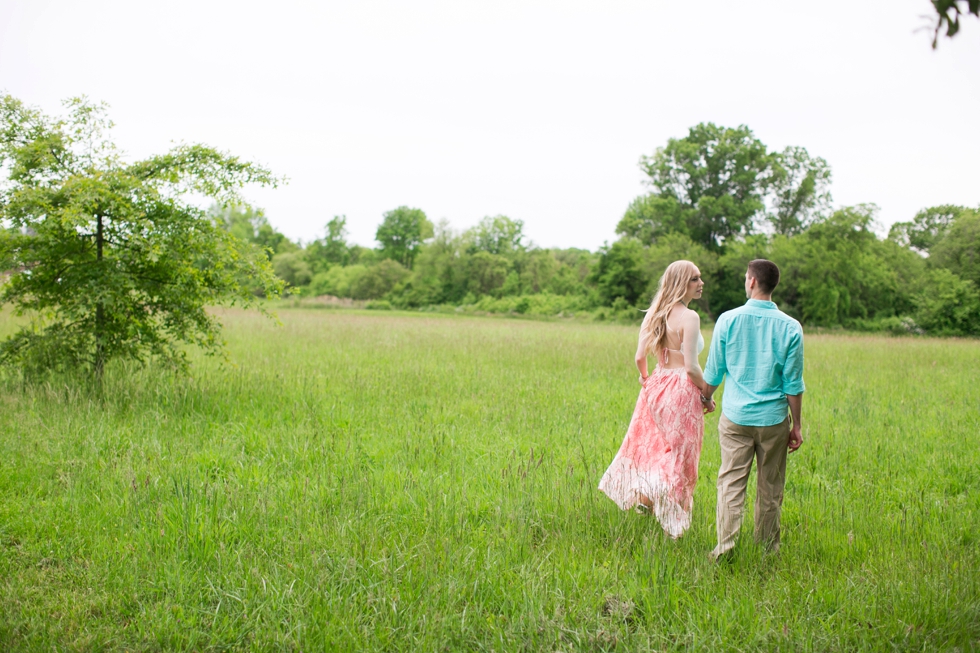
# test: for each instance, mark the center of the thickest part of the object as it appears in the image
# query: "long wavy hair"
(670, 290)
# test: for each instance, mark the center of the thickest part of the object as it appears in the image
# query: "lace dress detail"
(658, 460)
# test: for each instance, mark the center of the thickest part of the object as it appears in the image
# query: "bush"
(291, 268)
(378, 280)
(378, 305)
(948, 305)
(337, 281)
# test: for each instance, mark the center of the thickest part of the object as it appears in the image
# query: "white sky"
(537, 110)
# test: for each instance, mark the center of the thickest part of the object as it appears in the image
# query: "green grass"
(389, 481)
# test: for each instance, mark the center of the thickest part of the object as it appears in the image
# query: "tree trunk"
(99, 364)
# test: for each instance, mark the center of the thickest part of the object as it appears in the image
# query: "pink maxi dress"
(659, 455)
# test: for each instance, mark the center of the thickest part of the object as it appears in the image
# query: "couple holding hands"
(759, 349)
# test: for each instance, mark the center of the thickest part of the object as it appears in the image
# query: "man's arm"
(715, 368)
(793, 388)
(796, 412)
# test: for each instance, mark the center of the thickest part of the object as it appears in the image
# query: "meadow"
(355, 480)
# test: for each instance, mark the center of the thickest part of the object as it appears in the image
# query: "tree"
(651, 217)
(959, 250)
(497, 235)
(948, 14)
(292, 268)
(486, 273)
(332, 249)
(378, 280)
(250, 224)
(928, 227)
(709, 185)
(839, 271)
(799, 190)
(110, 260)
(402, 233)
(619, 272)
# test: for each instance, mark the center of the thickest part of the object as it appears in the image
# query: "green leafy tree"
(251, 225)
(292, 268)
(402, 233)
(959, 250)
(928, 227)
(839, 271)
(378, 280)
(110, 261)
(497, 235)
(651, 217)
(708, 185)
(799, 190)
(947, 305)
(619, 272)
(486, 273)
(332, 249)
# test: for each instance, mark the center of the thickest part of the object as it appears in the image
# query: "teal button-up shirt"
(760, 350)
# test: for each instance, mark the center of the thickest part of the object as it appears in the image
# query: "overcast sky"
(536, 110)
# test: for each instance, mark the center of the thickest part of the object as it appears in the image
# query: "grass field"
(404, 482)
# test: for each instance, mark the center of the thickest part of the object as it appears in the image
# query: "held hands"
(707, 404)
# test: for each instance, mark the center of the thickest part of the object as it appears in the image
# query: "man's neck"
(761, 297)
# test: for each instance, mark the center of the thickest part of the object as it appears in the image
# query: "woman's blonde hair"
(670, 290)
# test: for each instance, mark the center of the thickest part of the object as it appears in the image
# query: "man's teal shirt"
(760, 349)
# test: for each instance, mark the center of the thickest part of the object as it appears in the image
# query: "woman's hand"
(708, 406)
(643, 379)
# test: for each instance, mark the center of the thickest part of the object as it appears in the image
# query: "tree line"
(107, 259)
(719, 197)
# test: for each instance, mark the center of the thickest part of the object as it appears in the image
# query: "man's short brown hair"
(765, 273)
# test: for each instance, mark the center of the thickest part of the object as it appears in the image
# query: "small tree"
(108, 258)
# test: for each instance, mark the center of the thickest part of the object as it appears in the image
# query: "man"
(760, 350)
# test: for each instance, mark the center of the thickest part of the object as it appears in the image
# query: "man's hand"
(709, 406)
(795, 438)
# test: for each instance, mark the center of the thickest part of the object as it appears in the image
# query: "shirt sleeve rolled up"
(793, 370)
(715, 369)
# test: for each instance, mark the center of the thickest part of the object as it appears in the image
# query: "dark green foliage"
(947, 304)
(107, 259)
(948, 15)
(619, 272)
(959, 250)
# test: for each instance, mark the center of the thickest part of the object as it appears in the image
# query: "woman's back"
(672, 355)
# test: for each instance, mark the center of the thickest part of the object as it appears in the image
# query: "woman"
(656, 468)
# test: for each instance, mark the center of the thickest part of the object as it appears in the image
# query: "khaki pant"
(739, 444)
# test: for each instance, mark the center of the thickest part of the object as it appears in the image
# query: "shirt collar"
(760, 303)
